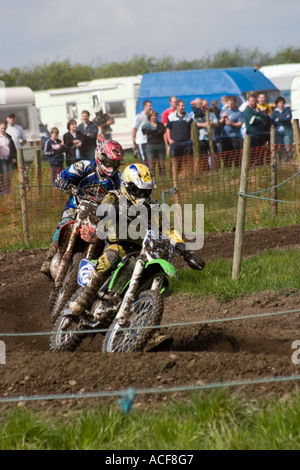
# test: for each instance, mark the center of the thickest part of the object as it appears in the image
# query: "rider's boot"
(45, 268)
(78, 306)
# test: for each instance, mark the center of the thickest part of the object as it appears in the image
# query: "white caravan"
(295, 97)
(282, 75)
(115, 96)
(21, 101)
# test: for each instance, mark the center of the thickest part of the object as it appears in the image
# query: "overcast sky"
(96, 31)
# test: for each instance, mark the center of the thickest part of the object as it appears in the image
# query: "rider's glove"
(60, 183)
(190, 257)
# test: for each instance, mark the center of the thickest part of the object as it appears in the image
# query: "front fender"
(168, 268)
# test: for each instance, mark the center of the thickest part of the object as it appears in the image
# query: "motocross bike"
(77, 240)
(129, 300)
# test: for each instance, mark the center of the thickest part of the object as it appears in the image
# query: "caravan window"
(115, 108)
(72, 110)
(22, 117)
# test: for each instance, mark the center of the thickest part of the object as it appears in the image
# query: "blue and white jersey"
(83, 175)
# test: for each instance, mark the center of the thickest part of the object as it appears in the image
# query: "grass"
(271, 270)
(217, 420)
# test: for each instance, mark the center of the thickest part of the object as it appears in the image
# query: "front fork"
(157, 283)
(129, 297)
(65, 262)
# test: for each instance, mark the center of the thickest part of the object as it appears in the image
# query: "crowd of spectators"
(78, 143)
(221, 128)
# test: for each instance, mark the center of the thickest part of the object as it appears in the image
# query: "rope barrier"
(266, 198)
(131, 393)
(278, 185)
(168, 325)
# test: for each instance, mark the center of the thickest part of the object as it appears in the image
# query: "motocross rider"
(136, 185)
(93, 179)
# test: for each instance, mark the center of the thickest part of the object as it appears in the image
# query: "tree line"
(60, 74)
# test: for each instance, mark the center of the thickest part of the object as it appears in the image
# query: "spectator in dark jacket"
(155, 147)
(254, 120)
(73, 140)
(90, 130)
(8, 158)
(54, 149)
(281, 118)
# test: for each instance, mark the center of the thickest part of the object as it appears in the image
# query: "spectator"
(224, 103)
(8, 156)
(15, 131)
(281, 118)
(54, 149)
(231, 120)
(197, 108)
(89, 129)
(166, 113)
(203, 132)
(179, 131)
(254, 120)
(104, 121)
(155, 148)
(214, 108)
(72, 141)
(139, 140)
(267, 109)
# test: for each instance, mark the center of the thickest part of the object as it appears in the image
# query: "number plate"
(85, 269)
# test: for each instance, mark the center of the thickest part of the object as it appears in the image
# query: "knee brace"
(111, 256)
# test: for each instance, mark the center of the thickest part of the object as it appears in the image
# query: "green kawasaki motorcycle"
(130, 303)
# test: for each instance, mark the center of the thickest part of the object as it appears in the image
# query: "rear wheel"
(60, 296)
(147, 310)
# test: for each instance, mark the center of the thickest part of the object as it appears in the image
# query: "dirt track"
(202, 354)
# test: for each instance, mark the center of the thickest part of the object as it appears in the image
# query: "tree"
(61, 74)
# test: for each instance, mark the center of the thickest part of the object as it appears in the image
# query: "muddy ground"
(239, 350)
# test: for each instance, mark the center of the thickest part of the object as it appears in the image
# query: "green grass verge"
(271, 270)
(215, 420)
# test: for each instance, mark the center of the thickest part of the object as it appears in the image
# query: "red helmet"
(108, 157)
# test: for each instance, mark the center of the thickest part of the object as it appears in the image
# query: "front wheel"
(60, 296)
(147, 310)
(65, 336)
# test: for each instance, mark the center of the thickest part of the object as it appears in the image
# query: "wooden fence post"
(38, 169)
(297, 139)
(241, 212)
(211, 143)
(274, 192)
(195, 131)
(23, 198)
